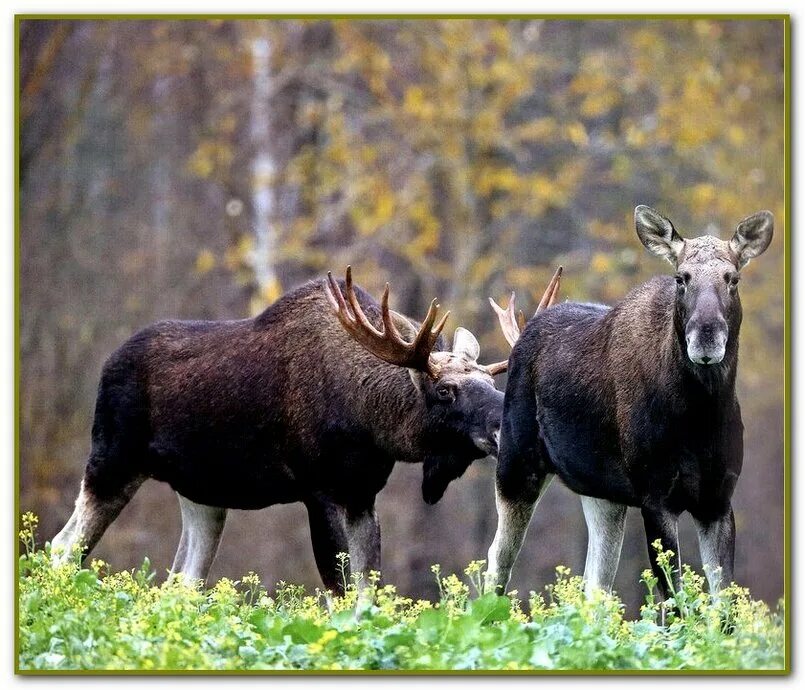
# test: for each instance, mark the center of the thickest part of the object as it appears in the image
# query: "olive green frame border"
(785, 18)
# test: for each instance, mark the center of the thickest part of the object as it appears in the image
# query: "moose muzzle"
(706, 340)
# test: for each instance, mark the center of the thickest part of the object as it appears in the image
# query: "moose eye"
(682, 279)
(732, 280)
(444, 392)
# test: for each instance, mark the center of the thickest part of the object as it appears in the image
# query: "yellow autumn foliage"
(205, 261)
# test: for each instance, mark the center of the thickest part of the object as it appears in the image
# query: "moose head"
(708, 308)
(461, 408)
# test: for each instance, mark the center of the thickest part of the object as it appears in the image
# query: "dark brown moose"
(633, 405)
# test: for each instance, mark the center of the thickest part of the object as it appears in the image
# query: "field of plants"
(74, 618)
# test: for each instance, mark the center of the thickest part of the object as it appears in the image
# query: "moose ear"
(465, 344)
(404, 326)
(657, 234)
(437, 473)
(752, 237)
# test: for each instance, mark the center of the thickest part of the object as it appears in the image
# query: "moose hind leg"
(201, 533)
(90, 519)
(605, 527)
(514, 515)
(521, 476)
(717, 548)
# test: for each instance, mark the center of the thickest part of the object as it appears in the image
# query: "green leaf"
(303, 631)
(490, 608)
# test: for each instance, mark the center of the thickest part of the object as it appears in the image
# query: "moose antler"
(551, 292)
(388, 344)
(512, 325)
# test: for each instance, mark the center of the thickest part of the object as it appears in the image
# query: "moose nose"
(494, 430)
(496, 433)
(706, 360)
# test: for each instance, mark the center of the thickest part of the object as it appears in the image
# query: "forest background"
(199, 169)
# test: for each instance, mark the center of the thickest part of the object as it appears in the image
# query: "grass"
(74, 618)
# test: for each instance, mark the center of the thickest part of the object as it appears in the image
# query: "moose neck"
(391, 389)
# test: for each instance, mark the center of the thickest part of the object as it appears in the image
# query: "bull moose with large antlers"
(633, 405)
(286, 407)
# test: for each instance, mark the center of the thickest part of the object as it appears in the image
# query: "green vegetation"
(75, 618)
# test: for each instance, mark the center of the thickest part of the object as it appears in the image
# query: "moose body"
(659, 432)
(633, 405)
(282, 408)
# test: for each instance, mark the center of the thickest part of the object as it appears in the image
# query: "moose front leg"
(201, 532)
(328, 532)
(717, 548)
(662, 524)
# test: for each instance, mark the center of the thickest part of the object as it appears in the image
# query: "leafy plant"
(71, 617)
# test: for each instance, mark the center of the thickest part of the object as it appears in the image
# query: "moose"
(312, 401)
(632, 405)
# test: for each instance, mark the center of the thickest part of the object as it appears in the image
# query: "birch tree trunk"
(263, 174)
(160, 182)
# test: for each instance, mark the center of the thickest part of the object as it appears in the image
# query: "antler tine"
(428, 333)
(331, 290)
(551, 291)
(427, 322)
(360, 317)
(507, 319)
(497, 308)
(388, 323)
(512, 326)
(555, 292)
(497, 367)
(437, 329)
(510, 329)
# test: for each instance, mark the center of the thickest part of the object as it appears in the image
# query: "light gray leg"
(89, 521)
(717, 548)
(181, 550)
(363, 537)
(605, 527)
(513, 519)
(201, 531)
